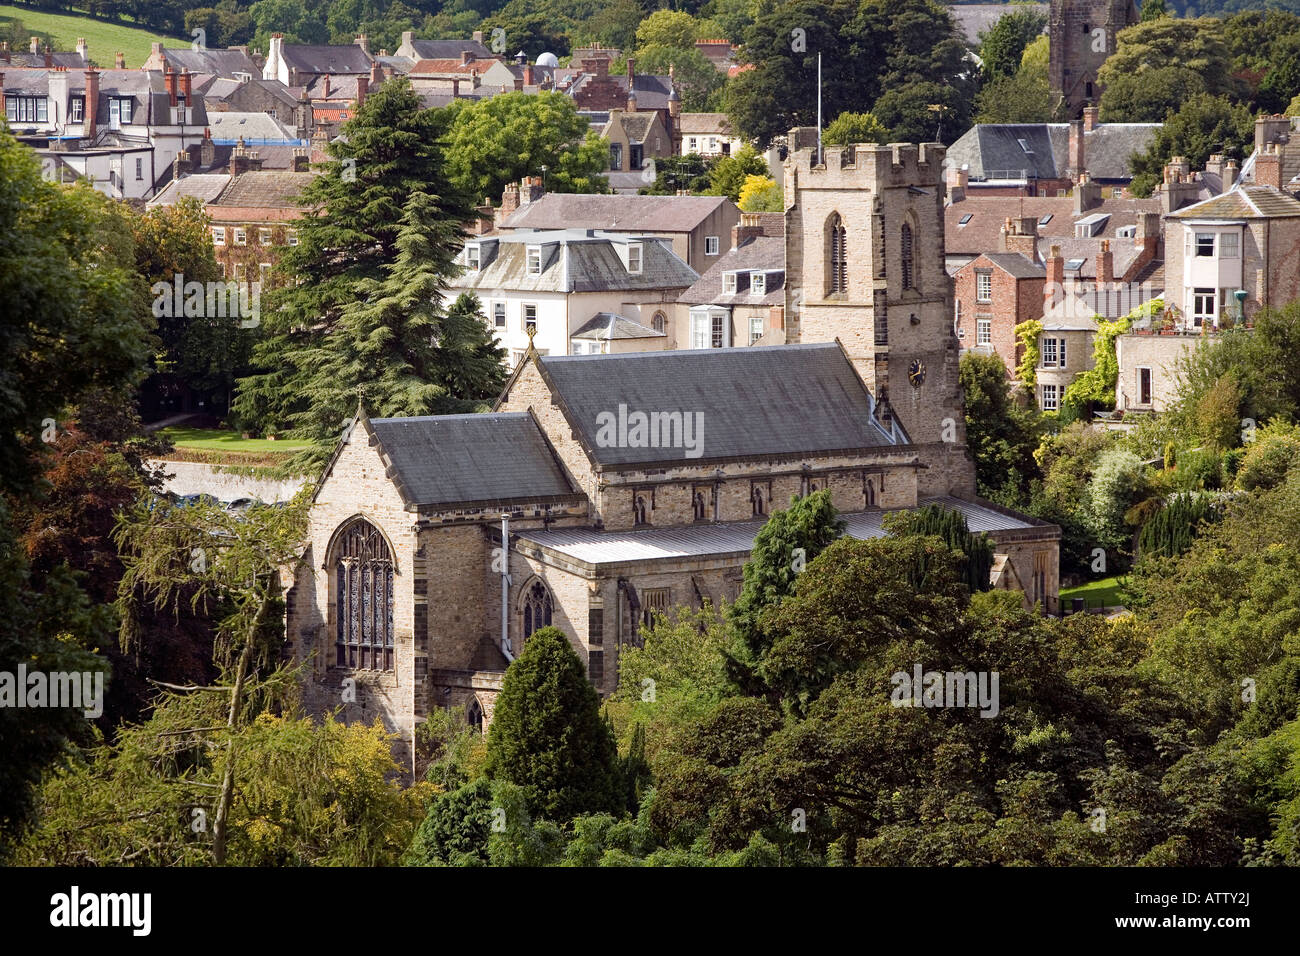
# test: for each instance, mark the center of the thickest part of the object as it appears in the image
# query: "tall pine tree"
(361, 317)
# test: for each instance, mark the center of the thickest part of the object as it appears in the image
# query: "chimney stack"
(530, 190)
(1054, 288)
(1105, 264)
(92, 103)
(186, 80)
(1091, 117)
(631, 62)
(1268, 167)
(327, 86)
(49, 57)
(1087, 194)
(749, 227)
(364, 42)
(207, 150)
(1230, 173)
(1271, 129)
(82, 49)
(1076, 158)
(36, 44)
(407, 37)
(478, 36)
(362, 83)
(509, 202)
(119, 61)
(1019, 235)
(301, 162)
(169, 84)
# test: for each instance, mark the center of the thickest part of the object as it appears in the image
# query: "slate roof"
(1123, 252)
(576, 261)
(624, 213)
(231, 125)
(1016, 265)
(993, 150)
(1244, 202)
(593, 546)
(223, 63)
(265, 190)
(449, 49)
(637, 125)
(606, 326)
(989, 213)
(458, 459)
(710, 124)
(205, 187)
(27, 60)
(322, 58)
(757, 402)
(761, 254)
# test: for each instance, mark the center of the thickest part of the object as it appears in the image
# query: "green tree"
(1270, 457)
(1160, 63)
(547, 734)
(1021, 97)
(727, 176)
(501, 139)
(849, 129)
(455, 829)
(668, 28)
(1153, 10)
(761, 194)
(949, 525)
(1201, 125)
(787, 542)
(1003, 44)
(1170, 531)
(697, 80)
(1001, 435)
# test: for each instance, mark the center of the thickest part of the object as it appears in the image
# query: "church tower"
(865, 265)
(1081, 35)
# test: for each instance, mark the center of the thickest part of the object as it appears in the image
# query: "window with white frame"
(1229, 245)
(499, 314)
(472, 257)
(1144, 386)
(241, 236)
(26, 109)
(634, 258)
(264, 237)
(758, 283)
(239, 270)
(984, 287)
(1053, 352)
(139, 168)
(755, 328)
(77, 109)
(264, 273)
(530, 317)
(534, 260)
(1203, 306)
(293, 237)
(1205, 243)
(707, 330)
(983, 331)
(120, 111)
(693, 144)
(729, 282)
(710, 245)
(218, 235)
(1049, 398)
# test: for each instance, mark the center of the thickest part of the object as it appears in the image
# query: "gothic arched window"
(659, 322)
(837, 257)
(474, 714)
(363, 602)
(905, 251)
(537, 608)
(760, 507)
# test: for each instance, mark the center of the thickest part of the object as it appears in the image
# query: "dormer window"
(472, 257)
(729, 283)
(634, 258)
(534, 260)
(758, 283)
(119, 111)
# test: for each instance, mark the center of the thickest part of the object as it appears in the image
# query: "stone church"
(1081, 35)
(603, 488)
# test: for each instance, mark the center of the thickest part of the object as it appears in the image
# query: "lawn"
(212, 439)
(104, 40)
(1104, 592)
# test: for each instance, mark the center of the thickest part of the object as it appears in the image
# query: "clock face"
(916, 373)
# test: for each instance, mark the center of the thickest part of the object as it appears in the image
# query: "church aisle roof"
(756, 402)
(597, 547)
(455, 459)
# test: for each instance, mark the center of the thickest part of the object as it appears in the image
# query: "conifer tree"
(548, 736)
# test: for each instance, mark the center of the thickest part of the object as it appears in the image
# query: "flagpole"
(820, 159)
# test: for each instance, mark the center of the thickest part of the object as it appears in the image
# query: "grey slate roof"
(604, 326)
(993, 150)
(224, 63)
(457, 459)
(756, 402)
(231, 126)
(760, 254)
(576, 261)
(205, 187)
(449, 49)
(593, 546)
(621, 213)
(322, 58)
(1244, 202)
(1017, 265)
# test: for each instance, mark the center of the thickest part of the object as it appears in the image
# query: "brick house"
(740, 301)
(992, 295)
(438, 545)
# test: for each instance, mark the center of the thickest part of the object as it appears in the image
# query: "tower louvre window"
(905, 251)
(837, 267)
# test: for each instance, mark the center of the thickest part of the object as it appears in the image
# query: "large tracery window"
(363, 601)
(837, 262)
(537, 608)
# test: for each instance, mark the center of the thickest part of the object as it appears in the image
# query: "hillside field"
(104, 39)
